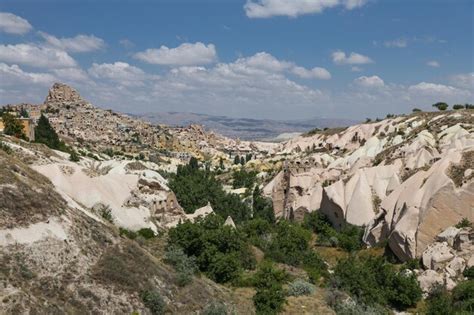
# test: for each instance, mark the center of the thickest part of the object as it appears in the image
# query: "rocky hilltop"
(404, 178)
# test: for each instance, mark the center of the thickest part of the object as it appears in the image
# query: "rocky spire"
(60, 92)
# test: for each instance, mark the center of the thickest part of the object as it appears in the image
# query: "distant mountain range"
(245, 128)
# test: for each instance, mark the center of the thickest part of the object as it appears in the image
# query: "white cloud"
(433, 89)
(125, 42)
(398, 43)
(294, 8)
(433, 63)
(14, 75)
(13, 24)
(119, 72)
(186, 54)
(463, 80)
(340, 58)
(71, 74)
(77, 44)
(36, 56)
(370, 82)
(356, 69)
(315, 73)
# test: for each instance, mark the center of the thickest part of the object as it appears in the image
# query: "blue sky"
(259, 58)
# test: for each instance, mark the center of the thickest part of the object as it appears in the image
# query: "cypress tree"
(44, 133)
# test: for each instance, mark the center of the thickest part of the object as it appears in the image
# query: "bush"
(300, 287)
(243, 178)
(372, 280)
(289, 243)
(221, 251)
(146, 233)
(196, 188)
(185, 266)
(12, 126)
(349, 238)
(216, 308)
(458, 106)
(4, 147)
(127, 233)
(463, 297)
(416, 110)
(270, 297)
(469, 273)
(464, 223)
(74, 157)
(441, 106)
(154, 302)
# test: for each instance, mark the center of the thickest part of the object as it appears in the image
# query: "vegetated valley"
(102, 213)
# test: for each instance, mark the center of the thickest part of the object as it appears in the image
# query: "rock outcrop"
(62, 93)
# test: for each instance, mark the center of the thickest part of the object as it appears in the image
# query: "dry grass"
(456, 171)
(305, 305)
(25, 196)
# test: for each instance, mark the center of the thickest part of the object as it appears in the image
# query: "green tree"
(236, 160)
(262, 207)
(12, 126)
(270, 296)
(194, 188)
(441, 106)
(458, 106)
(242, 160)
(74, 157)
(45, 133)
(416, 110)
(24, 113)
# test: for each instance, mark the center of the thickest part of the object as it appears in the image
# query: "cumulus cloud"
(13, 24)
(294, 8)
(119, 72)
(13, 75)
(370, 82)
(315, 73)
(78, 44)
(434, 89)
(125, 42)
(463, 80)
(71, 74)
(36, 56)
(433, 63)
(340, 58)
(186, 54)
(397, 43)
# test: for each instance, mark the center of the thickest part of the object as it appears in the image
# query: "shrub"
(185, 266)
(216, 308)
(372, 280)
(154, 302)
(146, 233)
(458, 106)
(469, 273)
(463, 297)
(74, 157)
(441, 106)
(270, 297)
(221, 251)
(106, 214)
(196, 188)
(439, 302)
(416, 110)
(464, 223)
(127, 233)
(4, 147)
(289, 243)
(12, 126)
(242, 178)
(300, 287)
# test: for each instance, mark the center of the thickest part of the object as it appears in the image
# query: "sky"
(276, 59)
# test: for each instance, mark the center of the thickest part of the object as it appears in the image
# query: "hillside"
(94, 233)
